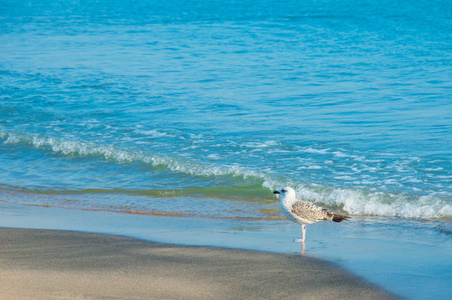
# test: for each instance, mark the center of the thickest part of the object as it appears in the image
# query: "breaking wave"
(360, 202)
(123, 155)
(259, 183)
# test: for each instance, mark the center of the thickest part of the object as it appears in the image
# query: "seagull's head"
(286, 192)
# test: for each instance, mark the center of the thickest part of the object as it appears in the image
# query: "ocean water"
(200, 109)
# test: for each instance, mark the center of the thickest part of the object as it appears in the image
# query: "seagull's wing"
(309, 211)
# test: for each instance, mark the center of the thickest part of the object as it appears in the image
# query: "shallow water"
(409, 258)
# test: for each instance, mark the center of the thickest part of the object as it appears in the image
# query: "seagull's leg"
(303, 232)
(303, 235)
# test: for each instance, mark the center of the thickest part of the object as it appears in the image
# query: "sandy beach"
(50, 264)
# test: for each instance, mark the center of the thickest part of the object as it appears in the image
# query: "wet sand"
(50, 264)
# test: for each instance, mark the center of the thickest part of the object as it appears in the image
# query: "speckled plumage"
(304, 212)
(311, 212)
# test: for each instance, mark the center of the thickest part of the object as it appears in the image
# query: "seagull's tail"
(340, 218)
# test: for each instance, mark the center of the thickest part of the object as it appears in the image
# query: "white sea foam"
(315, 151)
(359, 202)
(152, 133)
(374, 202)
(122, 155)
(339, 154)
(265, 144)
(353, 201)
(434, 169)
(311, 167)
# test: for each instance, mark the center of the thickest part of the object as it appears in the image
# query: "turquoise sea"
(200, 109)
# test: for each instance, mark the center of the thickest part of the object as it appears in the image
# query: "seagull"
(303, 212)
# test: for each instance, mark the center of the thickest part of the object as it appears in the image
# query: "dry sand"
(45, 264)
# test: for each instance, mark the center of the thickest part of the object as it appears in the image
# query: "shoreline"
(52, 264)
(386, 252)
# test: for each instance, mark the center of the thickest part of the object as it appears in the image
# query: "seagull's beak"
(276, 192)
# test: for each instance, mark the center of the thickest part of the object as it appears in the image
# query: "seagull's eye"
(283, 190)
